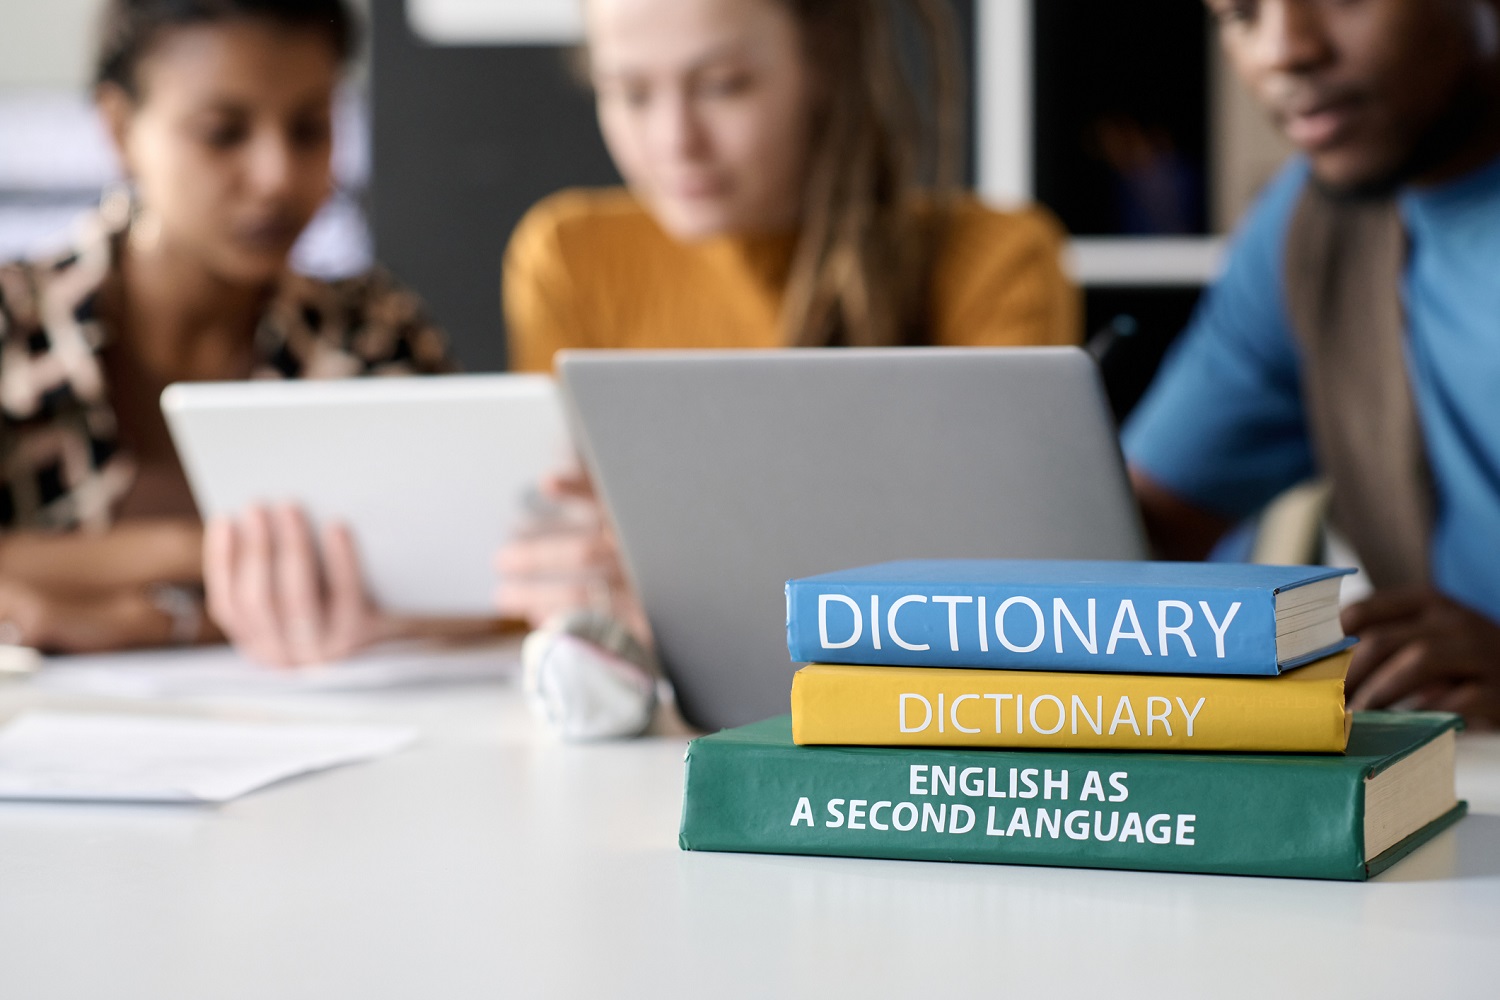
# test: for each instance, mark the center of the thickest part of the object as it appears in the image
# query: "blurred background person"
(786, 185)
(220, 113)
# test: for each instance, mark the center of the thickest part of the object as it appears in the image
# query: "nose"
(272, 164)
(1291, 36)
(679, 128)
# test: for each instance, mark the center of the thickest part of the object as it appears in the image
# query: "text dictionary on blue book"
(1121, 617)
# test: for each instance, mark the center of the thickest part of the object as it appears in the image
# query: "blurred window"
(488, 22)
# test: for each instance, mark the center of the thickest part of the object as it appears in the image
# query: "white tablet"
(433, 473)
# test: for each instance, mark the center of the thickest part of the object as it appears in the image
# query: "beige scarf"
(1345, 262)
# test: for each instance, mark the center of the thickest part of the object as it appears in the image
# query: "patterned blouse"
(62, 467)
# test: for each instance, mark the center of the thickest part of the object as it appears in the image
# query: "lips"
(695, 188)
(268, 234)
(1319, 126)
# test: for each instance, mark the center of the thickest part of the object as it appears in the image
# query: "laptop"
(728, 473)
(432, 473)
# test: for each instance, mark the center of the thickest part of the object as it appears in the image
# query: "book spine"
(1079, 627)
(1153, 812)
(896, 706)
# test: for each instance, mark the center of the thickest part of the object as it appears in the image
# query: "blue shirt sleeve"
(1222, 426)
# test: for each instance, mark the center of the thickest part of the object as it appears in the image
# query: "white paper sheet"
(217, 672)
(133, 758)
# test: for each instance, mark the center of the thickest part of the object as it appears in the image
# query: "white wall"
(49, 44)
(497, 22)
(54, 159)
(46, 43)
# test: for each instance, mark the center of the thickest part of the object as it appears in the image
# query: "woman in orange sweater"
(774, 154)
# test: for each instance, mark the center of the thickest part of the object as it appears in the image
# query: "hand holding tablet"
(340, 508)
(567, 560)
(284, 597)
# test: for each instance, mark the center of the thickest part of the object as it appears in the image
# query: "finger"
(569, 484)
(1384, 608)
(550, 511)
(298, 601)
(1375, 646)
(258, 638)
(546, 554)
(1405, 673)
(1431, 698)
(350, 613)
(255, 586)
(536, 602)
(1464, 699)
(1478, 703)
(220, 554)
(224, 558)
(558, 554)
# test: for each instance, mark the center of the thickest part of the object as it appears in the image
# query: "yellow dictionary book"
(1301, 710)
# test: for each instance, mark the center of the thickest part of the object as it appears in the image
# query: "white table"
(490, 862)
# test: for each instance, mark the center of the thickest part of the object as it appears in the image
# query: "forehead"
(243, 61)
(651, 35)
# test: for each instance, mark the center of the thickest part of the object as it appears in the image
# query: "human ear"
(117, 113)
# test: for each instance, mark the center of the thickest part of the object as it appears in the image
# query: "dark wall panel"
(465, 140)
(1122, 115)
(1129, 331)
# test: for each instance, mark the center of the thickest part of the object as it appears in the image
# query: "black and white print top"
(62, 467)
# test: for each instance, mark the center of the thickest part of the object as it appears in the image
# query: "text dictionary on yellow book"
(1302, 710)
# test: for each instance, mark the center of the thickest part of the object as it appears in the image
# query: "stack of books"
(1159, 716)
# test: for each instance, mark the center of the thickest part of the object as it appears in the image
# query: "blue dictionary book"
(1120, 617)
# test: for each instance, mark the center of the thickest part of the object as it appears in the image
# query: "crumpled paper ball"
(587, 678)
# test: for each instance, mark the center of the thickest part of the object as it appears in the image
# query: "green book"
(1335, 816)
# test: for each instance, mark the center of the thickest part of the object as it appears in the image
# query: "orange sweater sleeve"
(1000, 281)
(540, 300)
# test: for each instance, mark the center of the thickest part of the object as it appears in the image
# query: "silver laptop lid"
(729, 472)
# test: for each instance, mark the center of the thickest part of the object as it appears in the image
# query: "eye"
(1229, 12)
(726, 84)
(225, 134)
(312, 133)
(622, 89)
(635, 95)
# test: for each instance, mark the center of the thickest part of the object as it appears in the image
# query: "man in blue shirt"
(1393, 102)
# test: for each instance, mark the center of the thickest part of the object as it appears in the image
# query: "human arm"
(130, 554)
(89, 593)
(1222, 430)
(1422, 645)
(1175, 528)
(96, 620)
